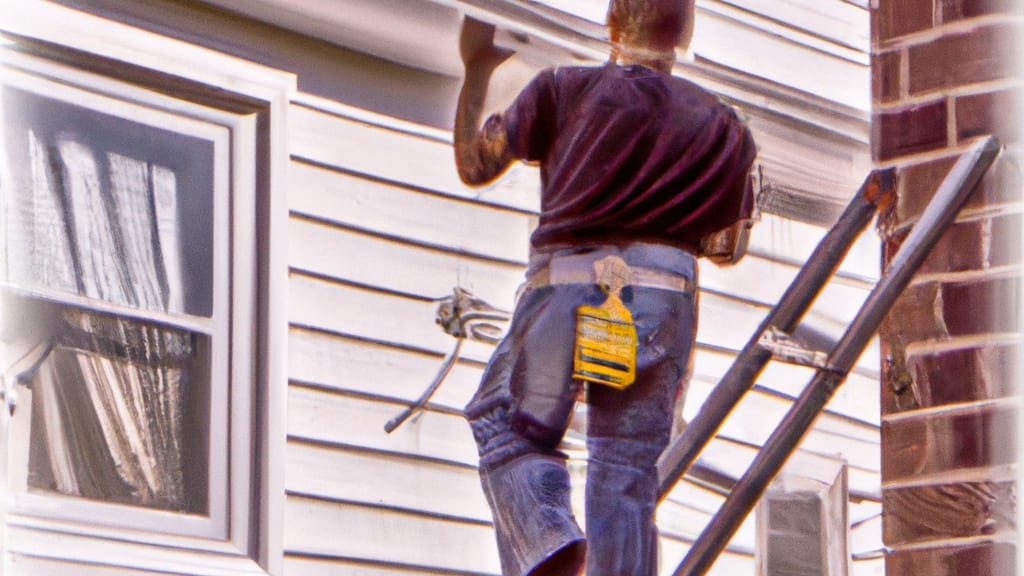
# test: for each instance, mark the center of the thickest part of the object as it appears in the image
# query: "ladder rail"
(941, 210)
(784, 316)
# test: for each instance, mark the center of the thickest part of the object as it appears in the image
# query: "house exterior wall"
(945, 71)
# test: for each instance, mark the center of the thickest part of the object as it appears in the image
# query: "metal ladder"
(831, 370)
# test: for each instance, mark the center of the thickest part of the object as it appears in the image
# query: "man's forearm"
(481, 154)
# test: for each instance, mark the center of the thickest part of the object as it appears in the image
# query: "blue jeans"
(522, 408)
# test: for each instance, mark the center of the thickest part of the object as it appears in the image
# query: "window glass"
(120, 213)
(108, 208)
(119, 411)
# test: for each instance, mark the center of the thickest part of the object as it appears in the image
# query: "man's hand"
(727, 246)
(476, 46)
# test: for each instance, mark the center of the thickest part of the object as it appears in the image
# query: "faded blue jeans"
(522, 408)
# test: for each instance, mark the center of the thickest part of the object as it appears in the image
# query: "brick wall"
(944, 72)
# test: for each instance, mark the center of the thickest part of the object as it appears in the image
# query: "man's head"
(648, 31)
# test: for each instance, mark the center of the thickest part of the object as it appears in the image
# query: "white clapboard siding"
(29, 566)
(392, 265)
(728, 563)
(332, 418)
(382, 479)
(797, 240)
(341, 363)
(763, 280)
(332, 140)
(685, 523)
(380, 225)
(420, 216)
(115, 552)
(866, 536)
(757, 415)
(314, 566)
(369, 314)
(857, 399)
(342, 530)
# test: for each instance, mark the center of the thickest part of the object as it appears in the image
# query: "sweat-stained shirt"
(627, 154)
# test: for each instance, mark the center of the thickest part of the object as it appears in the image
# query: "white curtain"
(108, 421)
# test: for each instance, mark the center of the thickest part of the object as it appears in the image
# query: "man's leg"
(627, 431)
(518, 417)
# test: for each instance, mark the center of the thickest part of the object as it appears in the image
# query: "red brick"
(895, 18)
(983, 307)
(913, 317)
(885, 76)
(961, 59)
(980, 373)
(995, 113)
(986, 559)
(919, 182)
(953, 10)
(976, 245)
(954, 510)
(961, 247)
(916, 129)
(934, 442)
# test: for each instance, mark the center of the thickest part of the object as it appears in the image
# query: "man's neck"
(625, 55)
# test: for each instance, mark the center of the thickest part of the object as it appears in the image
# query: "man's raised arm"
(481, 154)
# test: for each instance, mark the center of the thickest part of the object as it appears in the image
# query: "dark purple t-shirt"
(628, 154)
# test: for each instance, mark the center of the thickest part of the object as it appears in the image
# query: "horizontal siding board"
(384, 480)
(119, 552)
(372, 315)
(30, 566)
(306, 566)
(728, 563)
(340, 142)
(392, 265)
(333, 418)
(685, 522)
(406, 213)
(340, 530)
(341, 364)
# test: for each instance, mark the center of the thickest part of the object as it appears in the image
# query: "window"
(116, 281)
(135, 285)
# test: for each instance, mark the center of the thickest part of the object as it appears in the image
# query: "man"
(640, 172)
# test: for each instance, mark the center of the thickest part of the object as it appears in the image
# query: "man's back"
(630, 154)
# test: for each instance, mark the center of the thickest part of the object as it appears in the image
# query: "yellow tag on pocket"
(605, 344)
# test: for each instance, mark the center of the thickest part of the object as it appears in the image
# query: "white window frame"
(241, 107)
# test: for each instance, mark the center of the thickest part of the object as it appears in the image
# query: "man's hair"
(657, 25)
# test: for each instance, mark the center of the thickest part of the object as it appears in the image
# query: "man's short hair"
(658, 25)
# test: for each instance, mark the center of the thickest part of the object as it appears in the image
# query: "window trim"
(140, 65)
